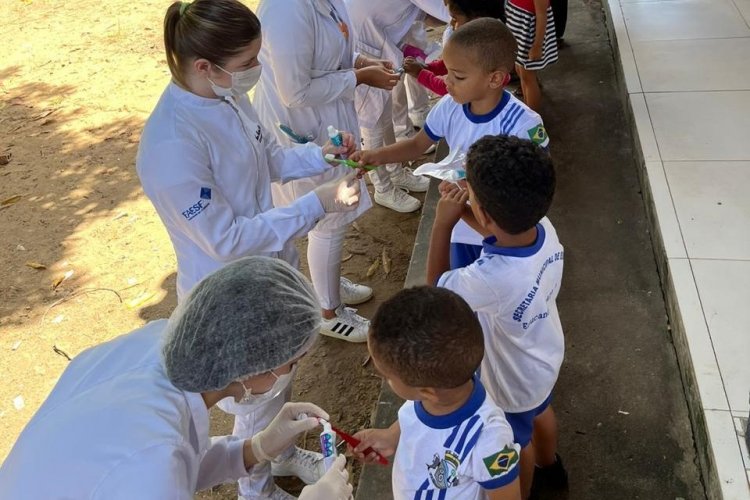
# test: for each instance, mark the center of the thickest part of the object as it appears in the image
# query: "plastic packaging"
(327, 444)
(451, 169)
(336, 138)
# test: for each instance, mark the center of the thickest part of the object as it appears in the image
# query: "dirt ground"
(83, 256)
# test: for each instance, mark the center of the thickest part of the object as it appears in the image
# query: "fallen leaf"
(61, 279)
(36, 265)
(623, 412)
(373, 267)
(20, 248)
(386, 262)
(11, 200)
(43, 114)
(5, 158)
(347, 257)
(18, 403)
(139, 300)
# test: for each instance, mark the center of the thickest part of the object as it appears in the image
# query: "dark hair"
(210, 29)
(428, 336)
(491, 42)
(474, 9)
(512, 179)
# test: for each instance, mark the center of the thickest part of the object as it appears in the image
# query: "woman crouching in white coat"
(128, 419)
(207, 165)
(308, 84)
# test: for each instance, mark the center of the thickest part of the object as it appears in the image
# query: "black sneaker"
(550, 478)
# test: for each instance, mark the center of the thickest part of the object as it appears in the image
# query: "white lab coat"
(114, 427)
(308, 84)
(379, 27)
(208, 173)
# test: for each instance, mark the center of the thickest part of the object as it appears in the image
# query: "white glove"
(340, 195)
(334, 485)
(283, 430)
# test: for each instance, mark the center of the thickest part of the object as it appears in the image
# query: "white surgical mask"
(281, 383)
(242, 82)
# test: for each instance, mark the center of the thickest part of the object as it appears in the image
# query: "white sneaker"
(353, 293)
(304, 464)
(404, 178)
(347, 325)
(397, 199)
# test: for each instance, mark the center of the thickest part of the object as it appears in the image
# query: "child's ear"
(499, 79)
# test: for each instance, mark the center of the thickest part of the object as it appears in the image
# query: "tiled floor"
(686, 66)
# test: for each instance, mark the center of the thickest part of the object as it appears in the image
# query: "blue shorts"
(523, 423)
(463, 254)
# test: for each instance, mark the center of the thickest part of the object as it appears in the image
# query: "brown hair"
(428, 336)
(209, 29)
(491, 42)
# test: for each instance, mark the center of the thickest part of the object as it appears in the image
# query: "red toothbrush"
(354, 442)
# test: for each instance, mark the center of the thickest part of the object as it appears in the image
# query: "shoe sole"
(402, 211)
(356, 303)
(335, 335)
(408, 188)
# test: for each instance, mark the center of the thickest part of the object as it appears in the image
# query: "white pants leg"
(419, 101)
(324, 250)
(381, 135)
(402, 124)
(248, 421)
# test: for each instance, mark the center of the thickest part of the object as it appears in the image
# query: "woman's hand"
(364, 62)
(349, 147)
(334, 485)
(384, 441)
(412, 66)
(283, 430)
(377, 76)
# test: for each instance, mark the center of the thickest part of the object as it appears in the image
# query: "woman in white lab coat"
(380, 27)
(129, 419)
(310, 71)
(207, 164)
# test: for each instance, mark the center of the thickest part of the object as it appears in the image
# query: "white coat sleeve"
(211, 223)
(290, 39)
(158, 472)
(435, 8)
(298, 161)
(222, 463)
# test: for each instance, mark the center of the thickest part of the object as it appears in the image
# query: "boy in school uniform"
(512, 287)
(479, 57)
(451, 441)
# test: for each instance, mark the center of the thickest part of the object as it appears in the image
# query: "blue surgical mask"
(242, 82)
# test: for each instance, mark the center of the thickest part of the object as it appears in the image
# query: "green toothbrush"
(349, 163)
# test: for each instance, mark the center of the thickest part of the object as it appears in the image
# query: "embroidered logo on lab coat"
(206, 193)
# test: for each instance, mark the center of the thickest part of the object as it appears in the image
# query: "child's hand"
(451, 207)
(366, 157)
(349, 147)
(384, 441)
(446, 187)
(535, 52)
(413, 67)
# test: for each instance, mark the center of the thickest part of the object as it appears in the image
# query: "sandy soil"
(83, 256)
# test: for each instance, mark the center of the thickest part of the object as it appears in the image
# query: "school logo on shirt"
(537, 134)
(205, 193)
(501, 462)
(444, 473)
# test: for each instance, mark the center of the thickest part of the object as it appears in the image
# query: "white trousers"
(411, 105)
(248, 421)
(324, 248)
(381, 135)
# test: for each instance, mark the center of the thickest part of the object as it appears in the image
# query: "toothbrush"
(295, 137)
(349, 163)
(347, 438)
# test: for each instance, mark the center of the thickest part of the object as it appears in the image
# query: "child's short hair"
(428, 336)
(474, 9)
(512, 179)
(491, 42)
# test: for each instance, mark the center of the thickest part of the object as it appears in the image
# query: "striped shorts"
(523, 25)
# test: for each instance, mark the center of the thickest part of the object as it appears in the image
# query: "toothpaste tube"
(336, 138)
(327, 444)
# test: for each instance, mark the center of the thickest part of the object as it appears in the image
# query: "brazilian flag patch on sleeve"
(501, 462)
(537, 134)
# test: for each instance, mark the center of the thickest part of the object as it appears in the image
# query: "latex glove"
(339, 195)
(334, 485)
(283, 430)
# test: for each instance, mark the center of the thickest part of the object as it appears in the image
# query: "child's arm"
(540, 13)
(438, 67)
(431, 81)
(449, 210)
(510, 491)
(407, 150)
(384, 441)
